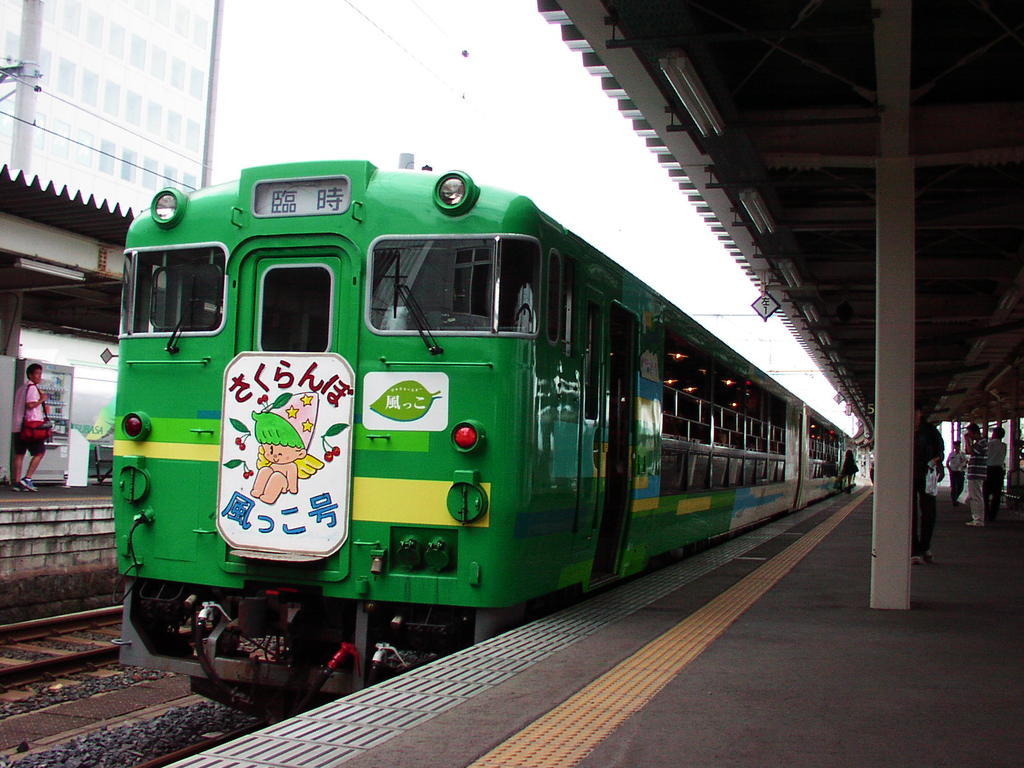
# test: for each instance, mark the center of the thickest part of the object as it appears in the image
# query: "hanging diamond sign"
(766, 306)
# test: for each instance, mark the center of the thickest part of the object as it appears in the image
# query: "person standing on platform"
(995, 473)
(28, 406)
(977, 469)
(956, 463)
(848, 472)
(928, 451)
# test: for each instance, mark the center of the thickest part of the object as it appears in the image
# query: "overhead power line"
(97, 151)
(114, 123)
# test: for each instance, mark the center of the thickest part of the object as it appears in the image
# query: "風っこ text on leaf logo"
(405, 401)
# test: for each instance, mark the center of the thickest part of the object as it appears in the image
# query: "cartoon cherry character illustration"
(280, 448)
(331, 452)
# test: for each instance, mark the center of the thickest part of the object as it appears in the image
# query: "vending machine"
(57, 383)
(7, 383)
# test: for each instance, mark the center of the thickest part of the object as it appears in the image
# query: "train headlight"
(168, 207)
(468, 436)
(136, 426)
(455, 193)
(452, 191)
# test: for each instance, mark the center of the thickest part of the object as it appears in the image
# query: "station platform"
(56, 551)
(760, 652)
(55, 495)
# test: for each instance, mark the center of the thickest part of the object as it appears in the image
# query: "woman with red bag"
(29, 410)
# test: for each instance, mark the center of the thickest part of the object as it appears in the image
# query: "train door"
(590, 466)
(798, 451)
(288, 406)
(300, 303)
(620, 364)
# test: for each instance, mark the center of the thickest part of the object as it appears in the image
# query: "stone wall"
(56, 559)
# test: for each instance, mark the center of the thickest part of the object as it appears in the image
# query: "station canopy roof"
(58, 296)
(768, 115)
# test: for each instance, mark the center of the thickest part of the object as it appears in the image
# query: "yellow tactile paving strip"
(568, 733)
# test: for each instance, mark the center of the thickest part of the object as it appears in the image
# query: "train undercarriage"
(275, 651)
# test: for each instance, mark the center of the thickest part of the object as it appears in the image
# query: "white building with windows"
(122, 109)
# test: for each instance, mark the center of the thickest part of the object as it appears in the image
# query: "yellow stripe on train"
(417, 502)
(374, 499)
(155, 450)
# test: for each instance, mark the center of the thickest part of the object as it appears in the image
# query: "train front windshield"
(180, 290)
(460, 285)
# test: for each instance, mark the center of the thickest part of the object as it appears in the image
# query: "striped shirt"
(977, 466)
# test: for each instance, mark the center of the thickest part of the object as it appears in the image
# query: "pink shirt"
(21, 412)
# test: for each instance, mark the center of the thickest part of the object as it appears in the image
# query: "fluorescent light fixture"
(50, 269)
(691, 92)
(789, 274)
(756, 209)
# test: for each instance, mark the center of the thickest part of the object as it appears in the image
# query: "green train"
(367, 417)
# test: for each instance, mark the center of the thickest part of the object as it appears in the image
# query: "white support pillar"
(895, 337)
(894, 386)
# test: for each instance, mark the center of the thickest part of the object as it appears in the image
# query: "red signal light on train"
(136, 426)
(465, 436)
(132, 425)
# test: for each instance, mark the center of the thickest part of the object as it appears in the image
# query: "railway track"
(62, 691)
(42, 648)
(200, 746)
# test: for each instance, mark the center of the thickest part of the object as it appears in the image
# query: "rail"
(21, 637)
(692, 418)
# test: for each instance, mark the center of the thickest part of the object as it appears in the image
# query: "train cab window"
(568, 301)
(295, 309)
(472, 277)
(454, 285)
(173, 291)
(441, 284)
(554, 296)
(517, 286)
(591, 395)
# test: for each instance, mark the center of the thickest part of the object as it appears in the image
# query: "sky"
(488, 88)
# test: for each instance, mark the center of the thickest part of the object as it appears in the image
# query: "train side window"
(750, 471)
(554, 296)
(735, 471)
(719, 471)
(697, 478)
(295, 309)
(593, 362)
(673, 470)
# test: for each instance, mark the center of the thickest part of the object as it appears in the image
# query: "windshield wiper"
(421, 319)
(172, 343)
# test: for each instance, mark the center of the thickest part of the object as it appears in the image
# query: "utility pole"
(211, 93)
(27, 87)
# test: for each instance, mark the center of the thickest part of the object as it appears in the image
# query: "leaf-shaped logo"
(404, 401)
